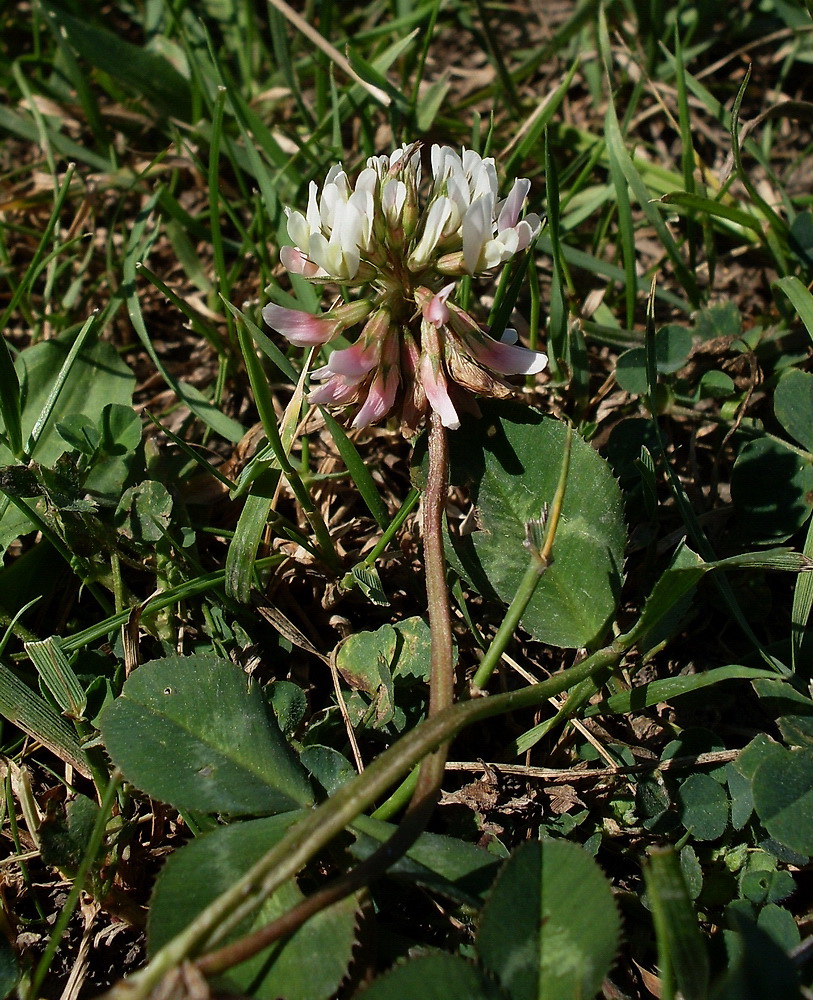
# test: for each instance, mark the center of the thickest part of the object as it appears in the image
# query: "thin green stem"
(393, 527)
(541, 558)
(165, 599)
(525, 591)
(399, 798)
(214, 202)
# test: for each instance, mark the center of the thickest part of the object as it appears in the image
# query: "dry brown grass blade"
(330, 51)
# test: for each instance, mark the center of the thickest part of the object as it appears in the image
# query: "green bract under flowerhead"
(416, 351)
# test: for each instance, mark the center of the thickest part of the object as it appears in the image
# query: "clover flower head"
(417, 350)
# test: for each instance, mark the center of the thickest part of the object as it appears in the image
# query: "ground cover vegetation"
(349, 649)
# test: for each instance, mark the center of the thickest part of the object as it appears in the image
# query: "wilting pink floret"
(505, 358)
(434, 384)
(337, 391)
(301, 328)
(352, 361)
(436, 310)
(380, 398)
(295, 262)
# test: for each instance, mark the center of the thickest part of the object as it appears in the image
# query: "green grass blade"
(10, 403)
(618, 152)
(31, 713)
(655, 692)
(687, 155)
(33, 268)
(580, 259)
(25, 128)
(694, 203)
(165, 599)
(538, 122)
(194, 455)
(778, 227)
(682, 957)
(198, 324)
(214, 201)
(58, 676)
(693, 527)
(282, 54)
(559, 342)
(800, 298)
(265, 344)
(140, 70)
(802, 604)
(137, 246)
(79, 81)
(280, 444)
(59, 384)
(358, 470)
(242, 554)
(91, 854)
(262, 397)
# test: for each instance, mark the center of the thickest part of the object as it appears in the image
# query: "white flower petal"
(476, 230)
(320, 254)
(366, 180)
(313, 216)
(299, 231)
(508, 241)
(436, 219)
(393, 198)
(512, 206)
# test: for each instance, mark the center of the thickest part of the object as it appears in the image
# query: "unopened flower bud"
(350, 313)
(411, 212)
(452, 264)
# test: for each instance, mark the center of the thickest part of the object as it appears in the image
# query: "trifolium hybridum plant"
(417, 350)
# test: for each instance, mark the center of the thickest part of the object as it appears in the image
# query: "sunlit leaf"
(511, 460)
(534, 934)
(194, 732)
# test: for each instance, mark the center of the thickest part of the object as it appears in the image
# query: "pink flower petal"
(301, 328)
(336, 391)
(434, 385)
(380, 398)
(512, 205)
(506, 358)
(353, 360)
(295, 262)
(436, 311)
